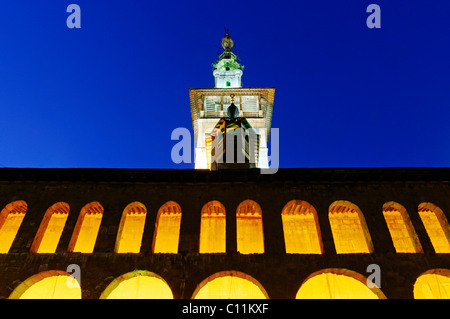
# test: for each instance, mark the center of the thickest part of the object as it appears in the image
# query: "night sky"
(109, 95)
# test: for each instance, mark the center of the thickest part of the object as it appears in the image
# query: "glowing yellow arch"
(433, 284)
(349, 228)
(230, 284)
(337, 283)
(138, 284)
(301, 228)
(249, 228)
(51, 284)
(213, 228)
(10, 220)
(167, 228)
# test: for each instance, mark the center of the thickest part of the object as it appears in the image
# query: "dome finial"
(227, 42)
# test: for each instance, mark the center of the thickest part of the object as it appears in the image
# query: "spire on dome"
(227, 70)
(227, 42)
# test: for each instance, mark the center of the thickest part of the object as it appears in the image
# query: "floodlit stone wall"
(183, 268)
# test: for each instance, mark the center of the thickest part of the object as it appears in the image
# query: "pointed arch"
(401, 229)
(11, 218)
(437, 227)
(138, 284)
(249, 228)
(213, 228)
(230, 284)
(167, 228)
(301, 228)
(349, 228)
(86, 229)
(335, 283)
(51, 284)
(433, 284)
(131, 228)
(50, 229)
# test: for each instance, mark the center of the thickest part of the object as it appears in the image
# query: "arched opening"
(138, 284)
(401, 229)
(11, 218)
(437, 227)
(433, 284)
(337, 284)
(249, 228)
(349, 229)
(230, 284)
(51, 284)
(301, 228)
(131, 229)
(167, 228)
(50, 229)
(213, 228)
(86, 229)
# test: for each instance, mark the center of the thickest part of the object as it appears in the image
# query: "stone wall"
(279, 273)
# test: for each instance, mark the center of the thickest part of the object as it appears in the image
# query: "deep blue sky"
(110, 94)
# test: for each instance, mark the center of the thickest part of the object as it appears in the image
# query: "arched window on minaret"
(213, 228)
(10, 220)
(349, 229)
(50, 229)
(167, 228)
(131, 229)
(301, 228)
(249, 228)
(402, 231)
(437, 226)
(86, 229)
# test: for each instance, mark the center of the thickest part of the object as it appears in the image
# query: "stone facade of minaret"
(208, 106)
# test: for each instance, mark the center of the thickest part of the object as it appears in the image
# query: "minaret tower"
(227, 71)
(226, 107)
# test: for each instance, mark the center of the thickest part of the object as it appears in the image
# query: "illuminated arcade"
(224, 230)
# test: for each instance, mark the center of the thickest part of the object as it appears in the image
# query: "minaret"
(218, 112)
(227, 70)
